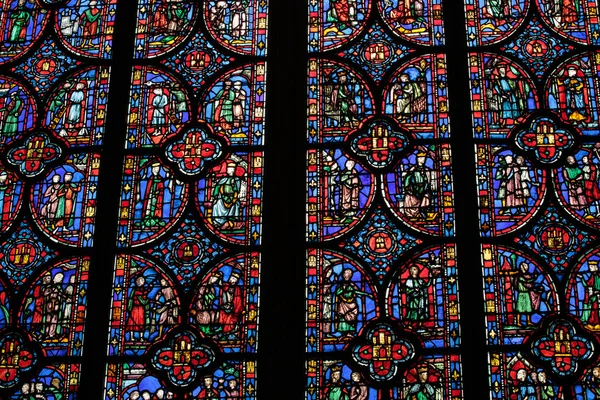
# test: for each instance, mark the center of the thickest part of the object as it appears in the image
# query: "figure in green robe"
(417, 297)
(19, 18)
(421, 390)
(590, 306)
(11, 111)
(59, 100)
(226, 199)
(343, 101)
(224, 106)
(346, 295)
(498, 8)
(207, 306)
(527, 297)
(90, 24)
(418, 188)
(153, 200)
(335, 389)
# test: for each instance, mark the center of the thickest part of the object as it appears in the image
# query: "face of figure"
(3, 177)
(208, 381)
(570, 160)
(423, 376)
(404, 78)
(232, 384)
(169, 395)
(542, 377)
(520, 160)
(355, 377)
(47, 279)
(593, 267)
(347, 274)
(157, 91)
(134, 395)
(596, 372)
(80, 86)
(421, 160)
(230, 170)
(572, 72)
(534, 377)
(146, 396)
(585, 159)
(140, 281)
(68, 177)
(508, 159)
(58, 278)
(214, 278)
(55, 383)
(25, 388)
(233, 279)
(237, 85)
(160, 394)
(343, 79)
(350, 164)
(163, 282)
(524, 267)
(502, 71)
(155, 170)
(521, 375)
(39, 387)
(56, 179)
(335, 376)
(414, 271)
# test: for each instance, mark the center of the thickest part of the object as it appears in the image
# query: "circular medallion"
(188, 251)
(377, 53)
(46, 66)
(22, 254)
(536, 48)
(197, 60)
(380, 242)
(555, 238)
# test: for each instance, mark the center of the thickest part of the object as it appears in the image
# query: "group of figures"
(514, 182)
(583, 183)
(230, 19)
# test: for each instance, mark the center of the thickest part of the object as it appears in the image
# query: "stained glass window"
(535, 124)
(413, 213)
(173, 224)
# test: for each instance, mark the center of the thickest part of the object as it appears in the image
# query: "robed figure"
(208, 391)
(48, 210)
(506, 95)
(19, 18)
(158, 113)
(409, 12)
(574, 179)
(342, 101)
(591, 284)
(336, 388)
(563, 13)
(227, 195)
(499, 9)
(138, 308)
(11, 112)
(224, 106)
(6, 195)
(206, 308)
(167, 311)
(152, 200)
(232, 304)
(339, 14)
(422, 389)
(65, 207)
(572, 95)
(350, 186)
(419, 186)
(417, 296)
(76, 104)
(409, 98)
(90, 24)
(590, 180)
(346, 304)
(528, 294)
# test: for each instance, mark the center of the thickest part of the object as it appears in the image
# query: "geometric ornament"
(545, 140)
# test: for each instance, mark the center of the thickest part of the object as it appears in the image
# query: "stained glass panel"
(53, 107)
(382, 294)
(535, 125)
(185, 301)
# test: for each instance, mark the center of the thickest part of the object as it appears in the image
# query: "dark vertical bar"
(281, 344)
(474, 356)
(111, 165)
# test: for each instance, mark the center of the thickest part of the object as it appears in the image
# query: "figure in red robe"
(232, 304)
(209, 391)
(573, 95)
(590, 180)
(138, 308)
(6, 193)
(89, 21)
